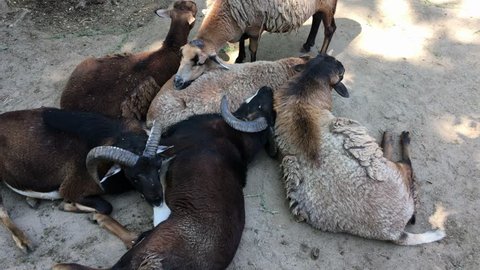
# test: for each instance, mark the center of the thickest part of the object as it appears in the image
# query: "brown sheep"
(124, 81)
(204, 185)
(56, 154)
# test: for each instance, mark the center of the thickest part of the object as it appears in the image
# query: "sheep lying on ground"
(54, 154)
(204, 190)
(129, 82)
(203, 95)
(337, 177)
(234, 20)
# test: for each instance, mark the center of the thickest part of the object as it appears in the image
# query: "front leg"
(241, 49)
(316, 20)
(88, 205)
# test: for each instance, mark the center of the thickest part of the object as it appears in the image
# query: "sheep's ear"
(299, 67)
(341, 89)
(115, 169)
(202, 57)
(163, 13)
(191, 20)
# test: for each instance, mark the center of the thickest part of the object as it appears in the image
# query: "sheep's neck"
(304, 112)
(225, 29)
(177, 36)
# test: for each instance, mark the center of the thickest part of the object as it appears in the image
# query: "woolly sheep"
(203, 95)
(337, 178)
(236, 20)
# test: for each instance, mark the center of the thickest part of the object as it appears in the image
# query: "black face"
(261, 104)
(325, 68)
(145, 178)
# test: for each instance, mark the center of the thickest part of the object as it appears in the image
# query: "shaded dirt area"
(411, 65)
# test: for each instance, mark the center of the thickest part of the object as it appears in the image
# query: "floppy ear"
(299, 67)
(163, 13)
(341, 89)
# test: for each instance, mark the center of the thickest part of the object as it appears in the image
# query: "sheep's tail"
(409, 239)
(73, 266)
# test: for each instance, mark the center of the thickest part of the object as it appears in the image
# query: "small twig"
(25, 11)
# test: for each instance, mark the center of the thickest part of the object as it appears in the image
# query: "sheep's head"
(323, 70)
(183, 10)
(196, 58)
(143, 171)
(254, 115)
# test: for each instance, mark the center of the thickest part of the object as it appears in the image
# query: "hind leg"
(21, 240)
(387, 145)
(114, 227)
(406, 165)
(330, 27)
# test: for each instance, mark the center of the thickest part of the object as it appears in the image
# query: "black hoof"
(306, 48)
(405, 137)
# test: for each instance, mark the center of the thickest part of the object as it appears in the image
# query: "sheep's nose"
(178, 82)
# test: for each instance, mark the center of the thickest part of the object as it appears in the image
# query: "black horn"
(153, 140)
(256, 125)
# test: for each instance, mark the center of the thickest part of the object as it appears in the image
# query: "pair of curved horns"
(121, 156)
(256, 125)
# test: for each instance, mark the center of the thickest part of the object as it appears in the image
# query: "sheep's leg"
(406, 166)
(21, 240)
(330, 27)
(253, 46)
(88, 205)
(114, 227)
(316, 20)
(387, 145)
(241, 49)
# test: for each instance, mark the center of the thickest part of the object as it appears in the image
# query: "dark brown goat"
(55, 154)
(129, 82)
(204, 190)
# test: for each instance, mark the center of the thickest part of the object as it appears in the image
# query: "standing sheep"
(124, 85)
(203, 95)
(234, 20)
(337, 178)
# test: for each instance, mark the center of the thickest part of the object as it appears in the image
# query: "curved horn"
(153, 140)
(217, 60)
(256, 125)
(109, 153)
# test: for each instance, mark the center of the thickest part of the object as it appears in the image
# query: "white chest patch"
(160, 214)
(52, 195)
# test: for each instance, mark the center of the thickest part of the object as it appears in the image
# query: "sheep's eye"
(195, 61)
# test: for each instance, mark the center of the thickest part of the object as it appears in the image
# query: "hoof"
(405, 137)
(305, 48)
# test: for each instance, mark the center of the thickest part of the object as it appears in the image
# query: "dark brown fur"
(115, 85)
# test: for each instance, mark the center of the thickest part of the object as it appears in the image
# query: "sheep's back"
(276, 15)
(352, 189)
(205, 93)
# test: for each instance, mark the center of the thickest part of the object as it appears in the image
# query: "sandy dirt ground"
(410, 65)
